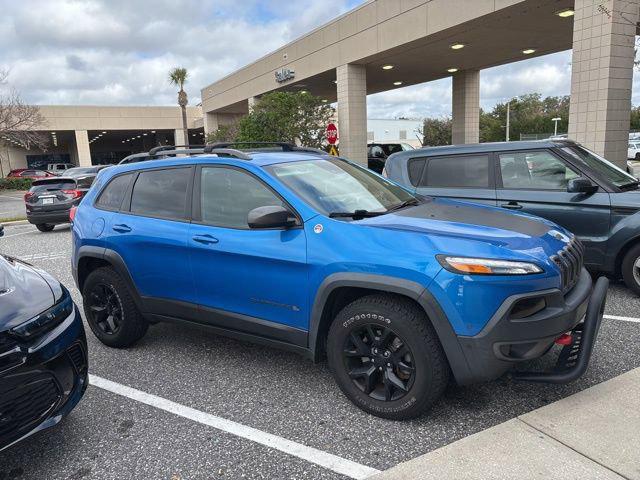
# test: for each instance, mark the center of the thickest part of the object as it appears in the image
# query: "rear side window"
(161, 193)
(462, 171)
(416, 167)
(113, 194)
(228, 195)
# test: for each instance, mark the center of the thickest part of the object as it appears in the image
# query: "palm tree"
(178, 76)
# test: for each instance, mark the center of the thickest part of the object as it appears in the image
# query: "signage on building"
(332, 133)
(284, 74)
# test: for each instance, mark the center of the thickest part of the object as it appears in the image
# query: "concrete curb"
(594, 433)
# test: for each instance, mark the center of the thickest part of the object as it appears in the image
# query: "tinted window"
(459, 171)
(111, 197)
(376, 152)
(54, 185)
(534, 170)
(161, 193)
(228, 195)
(415, 166)
(604, 167)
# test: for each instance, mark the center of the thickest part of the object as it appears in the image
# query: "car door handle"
(205, 239)
(122, 228)
(512, 206)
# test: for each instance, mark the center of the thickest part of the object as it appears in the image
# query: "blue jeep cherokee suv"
(316, 254)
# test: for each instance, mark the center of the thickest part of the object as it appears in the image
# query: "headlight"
(486, 266)
(47, 320)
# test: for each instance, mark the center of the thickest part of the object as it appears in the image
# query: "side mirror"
(581, 185)
(271, 217)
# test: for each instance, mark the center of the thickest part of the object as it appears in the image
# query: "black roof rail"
(155, 150)
(165, 150)
(286, 146)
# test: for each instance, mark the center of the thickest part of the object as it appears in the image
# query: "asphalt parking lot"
(204, 380)
(12, 204)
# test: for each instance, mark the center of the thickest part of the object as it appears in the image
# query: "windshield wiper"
(356, 214)
(629, 186)
(407, 203)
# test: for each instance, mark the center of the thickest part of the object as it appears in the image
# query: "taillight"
(27, 196)
(73, 193)
(72, 213)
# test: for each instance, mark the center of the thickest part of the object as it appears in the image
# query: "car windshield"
(333, 186)
(608, 170)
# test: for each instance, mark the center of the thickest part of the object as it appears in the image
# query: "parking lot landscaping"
(177, 404)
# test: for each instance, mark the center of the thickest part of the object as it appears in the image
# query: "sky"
(118, 52)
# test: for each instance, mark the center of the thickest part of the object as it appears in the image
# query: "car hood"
(453, 224)
(24, 292)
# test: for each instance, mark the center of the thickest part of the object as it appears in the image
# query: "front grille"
(24, 407)
(78, 358)
(569, 261)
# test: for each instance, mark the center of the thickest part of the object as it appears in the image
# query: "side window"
(113, 194)
(161, 193)
(459, 172)
(228, 195)
(534, 171)
(416, 166)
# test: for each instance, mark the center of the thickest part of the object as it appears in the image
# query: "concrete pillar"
(252, 101)
(83, 151)
(178, 136)
(465, 107)
(211, 122)
(352, 112)
(602, 74)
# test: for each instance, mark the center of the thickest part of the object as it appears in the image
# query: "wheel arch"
(91, 258)
(339, 289)
(622, 252)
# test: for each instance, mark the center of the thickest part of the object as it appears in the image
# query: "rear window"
(161, 193)
(463, 171)
(52, 185)
(113, 194)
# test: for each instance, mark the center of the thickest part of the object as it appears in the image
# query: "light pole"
(555, 130)
(508, 119)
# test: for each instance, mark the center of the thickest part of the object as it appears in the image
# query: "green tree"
(635, 118)
(178, 76)
(437, 131)
(288, 117)
(225, 133)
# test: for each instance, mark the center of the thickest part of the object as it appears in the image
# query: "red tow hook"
(564, 339)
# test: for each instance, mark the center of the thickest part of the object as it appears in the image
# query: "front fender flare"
(408, 288)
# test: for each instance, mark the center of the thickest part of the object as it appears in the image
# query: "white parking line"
(622, 319)
(16, 234)
(326, 460)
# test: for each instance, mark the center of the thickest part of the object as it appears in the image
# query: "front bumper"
(42, 382)
(508, 339)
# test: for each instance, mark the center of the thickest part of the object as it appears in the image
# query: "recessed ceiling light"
(387, 67)
(303, 91)
(452, 70)
(144, 134)
(457, 46)
(324, 100)
(153, 131)
(567, 12)
(529, 51)
(335, 81)
(397, 83)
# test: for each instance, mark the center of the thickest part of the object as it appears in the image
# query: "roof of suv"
(488, 147)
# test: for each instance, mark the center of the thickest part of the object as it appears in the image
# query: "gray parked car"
(556, 179)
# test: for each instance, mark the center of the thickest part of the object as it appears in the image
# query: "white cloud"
(119, 52)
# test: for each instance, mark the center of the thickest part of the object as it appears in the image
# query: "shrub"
(15, 183)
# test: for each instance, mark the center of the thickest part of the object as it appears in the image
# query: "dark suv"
(556, 179)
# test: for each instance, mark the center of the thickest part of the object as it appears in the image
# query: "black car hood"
(24, 292)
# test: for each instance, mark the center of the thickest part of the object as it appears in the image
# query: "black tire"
(45, 227)
(631, 269)
(423, 372)
(114, 320)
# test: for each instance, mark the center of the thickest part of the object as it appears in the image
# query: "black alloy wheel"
(379, 362)
(105, 308)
